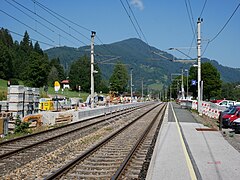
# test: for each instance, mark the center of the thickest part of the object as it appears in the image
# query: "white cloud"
(138, 4)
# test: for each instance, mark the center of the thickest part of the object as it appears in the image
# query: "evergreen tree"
(36, 72)
(60, 71)
(37, 48)
(5, 62)
(52, 76)
(119, 79)
(79, 75)
(26, 43)
(211, 80)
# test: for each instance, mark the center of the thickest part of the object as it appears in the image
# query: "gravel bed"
(42, 166)
(55, 159)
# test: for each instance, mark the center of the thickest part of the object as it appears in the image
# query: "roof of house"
(65, 81)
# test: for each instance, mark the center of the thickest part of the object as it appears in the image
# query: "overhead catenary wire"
(190, 17)
(49, 22)
(225, 23)
(194, 35)
(32, 39)
(26, 25)
(51, 12)
(39, 22)
(130, 19)
(136, 21)
(203, 8)
(85, 28)
(30, 16)
(55, 14)
(224, 26)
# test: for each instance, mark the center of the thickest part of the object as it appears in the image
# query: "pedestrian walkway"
(182, 151)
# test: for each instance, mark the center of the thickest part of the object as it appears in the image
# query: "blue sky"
(165, 24)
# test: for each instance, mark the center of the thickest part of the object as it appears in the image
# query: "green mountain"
(155, 70)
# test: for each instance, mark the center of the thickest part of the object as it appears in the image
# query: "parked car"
(226, 103)
(236, 125)
(230, 116)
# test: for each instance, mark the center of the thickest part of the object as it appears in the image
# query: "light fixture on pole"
(187, 82)
(199, 62)
(182, 87)
(131, 85)
(92, 68)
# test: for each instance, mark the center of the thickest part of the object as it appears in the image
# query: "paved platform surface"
(182, 152)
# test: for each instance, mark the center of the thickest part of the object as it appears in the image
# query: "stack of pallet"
(36, 97)
(15, 99)
(23, 100)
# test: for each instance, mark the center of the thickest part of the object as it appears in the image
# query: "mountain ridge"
(154, 70)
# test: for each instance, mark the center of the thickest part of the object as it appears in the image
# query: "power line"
(51, 12)
(70, 21)
(29, 16)
(136, 21)
(190, 18)
(221, 28)
(225, 23)
(140, 29)
(38, 22)
(131, 20)
(31, 38)
(194, 35)
(87, 29)
(26, 25)
(204, 5)
(49, 22)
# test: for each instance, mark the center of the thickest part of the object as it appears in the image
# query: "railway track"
(121, 155)
(15, 153)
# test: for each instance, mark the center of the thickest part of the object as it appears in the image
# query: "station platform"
(186, 149)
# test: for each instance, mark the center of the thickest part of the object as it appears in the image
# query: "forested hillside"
(26, 62)
(155, 70)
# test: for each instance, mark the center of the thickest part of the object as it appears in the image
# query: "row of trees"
(28, 63)
(79, 75)
(213, 87)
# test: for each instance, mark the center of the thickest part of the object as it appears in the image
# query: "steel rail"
(138, 143)
(63, 170)
(57, 136)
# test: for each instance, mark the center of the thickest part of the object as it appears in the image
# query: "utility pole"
(199, 63)
(182, 87)
(142, 88)
(92, 68)
(131, 86)
(187, 81)
(170, 92)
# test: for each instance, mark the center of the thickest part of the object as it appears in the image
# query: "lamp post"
(131, 85)
(199, 62)
(187, 82)
(182, 87)
(92, 68)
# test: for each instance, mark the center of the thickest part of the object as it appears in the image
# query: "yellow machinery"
(47, 105)
(34, 119)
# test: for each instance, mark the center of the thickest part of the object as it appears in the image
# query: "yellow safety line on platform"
(189, 163)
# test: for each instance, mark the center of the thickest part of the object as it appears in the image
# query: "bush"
(14, 81)
(21, 127)
(3, 95)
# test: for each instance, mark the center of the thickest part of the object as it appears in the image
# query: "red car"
(232, 115)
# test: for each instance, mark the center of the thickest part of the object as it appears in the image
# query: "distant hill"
(155, 70)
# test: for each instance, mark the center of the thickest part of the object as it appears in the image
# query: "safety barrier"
(207, 108)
